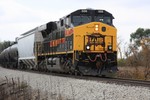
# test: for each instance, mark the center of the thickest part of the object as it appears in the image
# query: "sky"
(19, 16)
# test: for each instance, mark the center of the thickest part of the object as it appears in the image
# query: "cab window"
(79, 20)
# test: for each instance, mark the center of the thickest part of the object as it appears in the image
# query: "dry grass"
(132, 73)
(13, 89)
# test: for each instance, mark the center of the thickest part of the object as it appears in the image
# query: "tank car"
(2, 58)
(13, 56)
(9, 57)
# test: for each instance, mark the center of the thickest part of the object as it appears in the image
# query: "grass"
(132, 73)
(13, 89)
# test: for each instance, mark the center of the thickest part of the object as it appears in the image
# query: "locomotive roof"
(91, 12)
(45, 27)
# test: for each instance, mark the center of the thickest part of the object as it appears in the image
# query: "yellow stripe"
(97, 51)
(56, 53)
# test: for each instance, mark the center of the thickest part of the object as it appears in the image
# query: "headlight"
(109, 47)
(88, 47)
(96, 27)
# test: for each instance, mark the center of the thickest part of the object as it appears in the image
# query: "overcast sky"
(19, 16)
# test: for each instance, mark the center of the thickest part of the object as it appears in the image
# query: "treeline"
(137, 53)
(5, 44)
(138, 48)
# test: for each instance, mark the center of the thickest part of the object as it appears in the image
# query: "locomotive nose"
(94, 42)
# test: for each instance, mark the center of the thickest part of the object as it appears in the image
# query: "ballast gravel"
(77, 89)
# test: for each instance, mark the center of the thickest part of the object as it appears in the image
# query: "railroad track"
(129, 82)
(116, 80)
(119, 81)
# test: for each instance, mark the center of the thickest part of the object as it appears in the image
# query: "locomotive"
(83, 42)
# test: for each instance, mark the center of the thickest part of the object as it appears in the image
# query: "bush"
(121, 62)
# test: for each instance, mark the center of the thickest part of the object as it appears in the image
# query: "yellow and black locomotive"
(81, 42)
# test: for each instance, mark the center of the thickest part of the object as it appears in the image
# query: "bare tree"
(119, 43)
(141, 38)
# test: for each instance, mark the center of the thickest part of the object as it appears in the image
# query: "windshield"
(79, 20)
(106, 20)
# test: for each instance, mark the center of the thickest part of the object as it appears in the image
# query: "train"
(82, 42)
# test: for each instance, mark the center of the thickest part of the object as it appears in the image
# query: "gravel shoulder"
(77, 89)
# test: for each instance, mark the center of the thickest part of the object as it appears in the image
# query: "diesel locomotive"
(83, 42)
